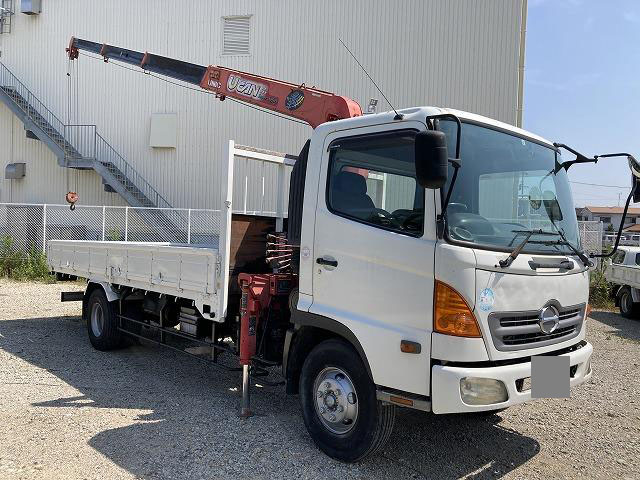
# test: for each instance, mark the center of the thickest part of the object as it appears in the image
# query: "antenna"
(398, 115)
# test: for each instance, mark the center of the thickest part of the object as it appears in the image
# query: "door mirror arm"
(441, 220)
(433, 122)
(634, 195)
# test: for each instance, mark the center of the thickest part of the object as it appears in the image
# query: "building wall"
(610, 220)
(457, 53)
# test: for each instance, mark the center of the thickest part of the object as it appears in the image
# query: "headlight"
(482, 391)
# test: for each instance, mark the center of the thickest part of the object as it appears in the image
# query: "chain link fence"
(591, 234)
(30, 226)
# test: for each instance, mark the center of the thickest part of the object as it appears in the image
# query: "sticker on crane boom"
(249, 88)
(214, 79)
(294, 100)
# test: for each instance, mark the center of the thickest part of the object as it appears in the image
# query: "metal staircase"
(82, 147)
(77, 146)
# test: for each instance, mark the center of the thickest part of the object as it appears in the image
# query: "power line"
(199, 90)
(599, 185)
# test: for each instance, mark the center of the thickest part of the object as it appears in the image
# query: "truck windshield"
(507, 185)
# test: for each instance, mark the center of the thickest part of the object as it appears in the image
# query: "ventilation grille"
(520, 330)
(236, 35)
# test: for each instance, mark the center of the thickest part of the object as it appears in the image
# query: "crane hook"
(72, 198)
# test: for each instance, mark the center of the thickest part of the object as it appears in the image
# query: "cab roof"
(419, 114)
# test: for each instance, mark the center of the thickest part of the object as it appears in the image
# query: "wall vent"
(31, 7)
(15, 171)
(236, 35)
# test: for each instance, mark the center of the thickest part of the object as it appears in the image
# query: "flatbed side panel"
(624, 275)
(178, 270)
(98, 262)
(139, 265)
(166, 269)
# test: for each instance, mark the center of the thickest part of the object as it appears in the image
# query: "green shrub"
(114, 235)
(600, 289)
(20, 265)
(10, 257)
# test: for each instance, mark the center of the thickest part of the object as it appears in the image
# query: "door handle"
(324, 261)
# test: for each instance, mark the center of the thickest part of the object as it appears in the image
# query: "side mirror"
(535, 198)
(636, 189)
(634, 166)
(432, 159)
(552, 206)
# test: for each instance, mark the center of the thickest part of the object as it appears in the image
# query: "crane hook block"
(72, 198)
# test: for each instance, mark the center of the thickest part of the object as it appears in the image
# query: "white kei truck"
(429, 256)
(623, 271)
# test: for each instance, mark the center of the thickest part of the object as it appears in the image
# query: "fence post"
(44, 228)
(104, 214)
(280, 199)
(246, 192)
(189, 227)
(126, 224)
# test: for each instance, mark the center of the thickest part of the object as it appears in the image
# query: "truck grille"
(520, 330)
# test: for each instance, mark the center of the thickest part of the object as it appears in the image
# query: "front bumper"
(445, 386)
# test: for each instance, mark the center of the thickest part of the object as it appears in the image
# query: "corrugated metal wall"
(457, 53)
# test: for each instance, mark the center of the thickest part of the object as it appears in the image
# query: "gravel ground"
(68, 411)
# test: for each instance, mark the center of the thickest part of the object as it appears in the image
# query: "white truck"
(406, 278)
(623, 271)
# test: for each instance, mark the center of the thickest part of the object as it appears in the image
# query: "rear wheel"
(339, 404)
(102, 322)
(628, 308)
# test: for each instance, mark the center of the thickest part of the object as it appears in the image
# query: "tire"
(628, 308)
(102, 322)
(332, 377)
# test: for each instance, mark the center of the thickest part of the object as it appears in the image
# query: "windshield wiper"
(516, 251)
(509, 260)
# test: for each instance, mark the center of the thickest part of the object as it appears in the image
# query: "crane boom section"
(311, 105)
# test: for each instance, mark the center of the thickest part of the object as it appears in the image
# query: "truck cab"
(438, 321)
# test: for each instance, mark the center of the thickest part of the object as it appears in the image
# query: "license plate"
(550, 377)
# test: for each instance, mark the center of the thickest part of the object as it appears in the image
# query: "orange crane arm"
(297, 101)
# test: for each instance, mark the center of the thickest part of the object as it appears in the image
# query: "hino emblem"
(548, 320)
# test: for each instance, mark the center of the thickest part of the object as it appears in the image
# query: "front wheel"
(339, 404)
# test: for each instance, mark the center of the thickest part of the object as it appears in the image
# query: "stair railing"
(127, 175)
(80, 142)
(32, 106)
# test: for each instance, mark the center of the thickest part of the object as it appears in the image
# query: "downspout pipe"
(523, 38)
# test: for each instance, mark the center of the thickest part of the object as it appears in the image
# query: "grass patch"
(600, 289)
(17, 264)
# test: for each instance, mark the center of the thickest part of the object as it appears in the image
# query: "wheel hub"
(336, 400)
(97, 319)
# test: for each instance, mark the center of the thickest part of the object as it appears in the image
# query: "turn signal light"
(452, 315)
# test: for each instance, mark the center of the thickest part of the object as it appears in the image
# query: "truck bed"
(624, 274)
(186, 271)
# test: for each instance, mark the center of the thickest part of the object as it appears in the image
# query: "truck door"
(373, 251)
